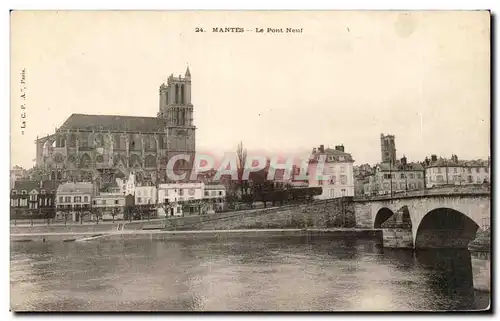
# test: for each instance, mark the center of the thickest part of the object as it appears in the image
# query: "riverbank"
(192, 235)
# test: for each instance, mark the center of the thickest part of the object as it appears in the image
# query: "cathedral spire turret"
(188, 73)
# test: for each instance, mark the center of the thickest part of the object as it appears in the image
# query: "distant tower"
(388, 148)
(175, 100)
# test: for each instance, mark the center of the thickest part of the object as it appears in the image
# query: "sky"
(345, 79)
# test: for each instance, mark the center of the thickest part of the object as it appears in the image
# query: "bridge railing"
(428, 192)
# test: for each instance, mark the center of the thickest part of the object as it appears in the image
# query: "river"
(278, 274)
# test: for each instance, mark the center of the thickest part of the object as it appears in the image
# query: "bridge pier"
(397, 232)
(480, 253)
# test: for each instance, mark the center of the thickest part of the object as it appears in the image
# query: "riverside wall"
(332, 213)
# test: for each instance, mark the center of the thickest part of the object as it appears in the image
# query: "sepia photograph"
(237, 161)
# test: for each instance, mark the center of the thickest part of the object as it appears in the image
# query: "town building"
(101, 148)
(73, 200)
(217, 195)
(179, 199)
(338, 165)
(392, 179)
(388, 148)
(145, 195)
(109, 206)
(33, 198)
(362, 174)
(442, 172)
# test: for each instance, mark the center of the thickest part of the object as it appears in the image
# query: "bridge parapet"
(426, 193)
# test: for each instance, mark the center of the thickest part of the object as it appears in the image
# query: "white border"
(189, 5)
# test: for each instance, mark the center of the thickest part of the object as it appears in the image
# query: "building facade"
(400, 178)
(101, 148)
(339, 166)
(442, 172)
(145, 195)
(73, 200)
(109, 206)
(178, 198)
(33, 199)
(217, 196)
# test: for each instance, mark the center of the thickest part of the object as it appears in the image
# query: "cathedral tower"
(175, 101)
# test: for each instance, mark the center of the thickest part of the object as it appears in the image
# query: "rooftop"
(28, 186)
(114, 123)
(70, 187)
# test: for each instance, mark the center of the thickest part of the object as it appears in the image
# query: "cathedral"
(101, 148)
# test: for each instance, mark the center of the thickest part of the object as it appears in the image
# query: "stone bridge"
(428, 219)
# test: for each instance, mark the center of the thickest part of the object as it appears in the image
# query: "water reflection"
(286, 274)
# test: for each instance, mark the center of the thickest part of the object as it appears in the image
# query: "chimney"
(403, 160)
(41, 184)
(340, 148)
(314, 150)
(434, 158)
(321, 148)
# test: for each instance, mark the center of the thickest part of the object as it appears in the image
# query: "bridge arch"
(445, 227)
(382, 215)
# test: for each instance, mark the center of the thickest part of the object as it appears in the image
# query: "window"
(206, 193)
(419, 176)
(412, 175)
(139, 200)
(220, 193)
(343, 192)
(478, 170)
(439, 170)
(402, 185)
(469, 179)
(214, 193)
(60, 199)
(138, 192)
(191, 191)
(14, 192)
(85, 199)
(181, 192)
(341, 158)
(402, 175)
(420, 185)
(386, 186)
(469, 170)
(343, 179)
(93, 202)
(333, 179)
(116, 202)
(178, 209)
(342, 169)
(23, 192)
(67, 199)
(479, 180)
(42, 191)
(332, 191)
(166, 192)
(77, 199)
(330, 158)
(439, 178)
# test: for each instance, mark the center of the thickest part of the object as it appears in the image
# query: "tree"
(114, 213)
